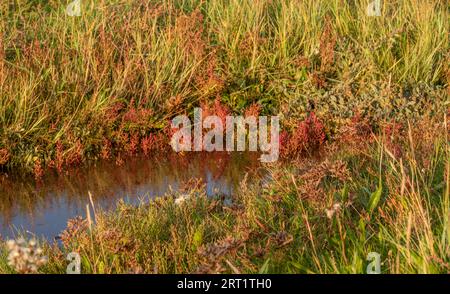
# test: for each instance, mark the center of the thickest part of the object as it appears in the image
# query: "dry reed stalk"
(88, 215)
(2, 58)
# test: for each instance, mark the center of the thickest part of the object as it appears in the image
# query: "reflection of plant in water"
(22, 197)
(38, 170)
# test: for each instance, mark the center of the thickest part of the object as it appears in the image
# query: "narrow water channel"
(42, 209)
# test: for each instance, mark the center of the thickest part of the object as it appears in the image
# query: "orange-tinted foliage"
(38, 170)
(4, 156)
(308, 136)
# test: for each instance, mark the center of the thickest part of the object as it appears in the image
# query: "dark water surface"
(42, 209)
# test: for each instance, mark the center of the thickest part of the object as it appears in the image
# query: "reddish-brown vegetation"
(308, 136)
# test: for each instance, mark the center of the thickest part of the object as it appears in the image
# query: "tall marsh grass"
(72, 82)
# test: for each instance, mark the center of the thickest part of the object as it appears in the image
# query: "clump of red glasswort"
(38, 170)
(67, 156)
(307, 137)
(253, 110)
(155, 142)
(137, 115)
(218, 109)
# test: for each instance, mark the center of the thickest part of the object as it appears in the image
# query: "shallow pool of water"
(42, 209)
